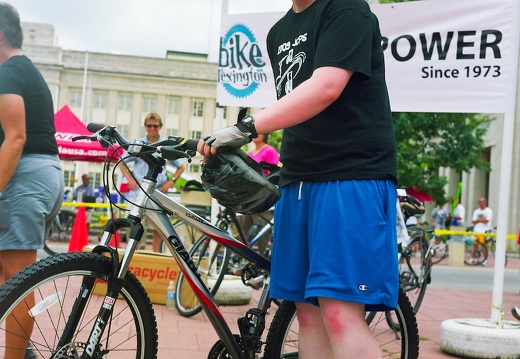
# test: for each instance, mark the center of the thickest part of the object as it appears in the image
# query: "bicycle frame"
(161, 221)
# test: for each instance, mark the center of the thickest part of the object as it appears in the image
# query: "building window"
(198, 109)
(100, 100)
(194, 168)
(224, 112)
(68, 178)
(195, 134)
(124, 130)
(149, 104)
(171, 132)
(125, 102)
(75, 98)
(173, 106)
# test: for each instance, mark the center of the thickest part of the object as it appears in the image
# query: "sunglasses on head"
(152, 126)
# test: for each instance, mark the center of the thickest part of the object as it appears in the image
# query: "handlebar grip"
(94, 127)
(191, 144)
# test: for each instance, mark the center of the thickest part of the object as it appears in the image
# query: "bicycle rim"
(415, 271)
(211, 260)
(188, 235)
(55, 282)
(282, 339)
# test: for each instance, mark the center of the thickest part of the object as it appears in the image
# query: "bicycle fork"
(115, 283)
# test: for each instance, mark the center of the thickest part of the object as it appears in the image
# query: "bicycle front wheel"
(440, 251)
(59, 235)
(475, 253)
(282, 338)
(36, 307)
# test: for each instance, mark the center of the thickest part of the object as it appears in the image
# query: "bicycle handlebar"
(172, 148)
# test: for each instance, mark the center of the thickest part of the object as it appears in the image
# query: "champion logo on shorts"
(363, 287)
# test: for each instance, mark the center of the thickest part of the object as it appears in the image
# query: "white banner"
(441, 56)
(449, 56)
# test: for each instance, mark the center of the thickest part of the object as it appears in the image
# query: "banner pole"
(497, 312)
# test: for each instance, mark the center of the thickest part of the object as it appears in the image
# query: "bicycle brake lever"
(85, 137)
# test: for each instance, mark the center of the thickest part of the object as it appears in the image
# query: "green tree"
(428, 141)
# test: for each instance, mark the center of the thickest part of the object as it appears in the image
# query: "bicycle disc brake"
(73, 350)
(219, 351)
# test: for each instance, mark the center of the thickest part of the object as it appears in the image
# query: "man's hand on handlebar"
(234, 136)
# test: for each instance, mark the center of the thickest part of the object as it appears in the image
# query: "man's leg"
(347, 330)
(313, 341)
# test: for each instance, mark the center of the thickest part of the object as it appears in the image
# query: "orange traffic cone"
(79, 235)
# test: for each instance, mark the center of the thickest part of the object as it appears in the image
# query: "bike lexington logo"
(241, 66)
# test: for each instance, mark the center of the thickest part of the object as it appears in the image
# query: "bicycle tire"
(474, 256)
(211, 260)
(55, 281)
(60, 232)
(415, 271)
(440, 252)
(282, 338)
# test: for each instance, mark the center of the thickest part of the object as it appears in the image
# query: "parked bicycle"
(478, 247)
(59, 235)
(56, 294)
(415, 255)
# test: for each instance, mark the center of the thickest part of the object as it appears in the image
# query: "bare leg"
(20, 324)
(336, 329)
(313, 341)
(348, 332)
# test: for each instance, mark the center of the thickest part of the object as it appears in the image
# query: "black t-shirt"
(353, 138)
(19, 76)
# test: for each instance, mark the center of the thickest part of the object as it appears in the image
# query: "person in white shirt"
(481, 219)
(458, 215)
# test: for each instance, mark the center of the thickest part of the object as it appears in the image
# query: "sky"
(138, 27)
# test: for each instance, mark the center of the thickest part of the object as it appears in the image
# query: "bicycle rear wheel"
(415, 270)
(55, 283)
(211, 260)
(282, 338)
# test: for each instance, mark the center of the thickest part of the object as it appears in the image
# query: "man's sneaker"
(29, 353)
(485, 263)
(471, 260)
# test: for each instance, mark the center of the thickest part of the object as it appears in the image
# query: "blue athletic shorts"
(30, 201)
(336, 240)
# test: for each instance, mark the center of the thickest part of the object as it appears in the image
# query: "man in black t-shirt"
(335, 246)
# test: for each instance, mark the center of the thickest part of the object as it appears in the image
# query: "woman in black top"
(31, 179)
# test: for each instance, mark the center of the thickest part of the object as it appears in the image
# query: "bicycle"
(56, 293)
(415, 256)
(440, 249)
(60, 232)
(221, 262)
(477, 250)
